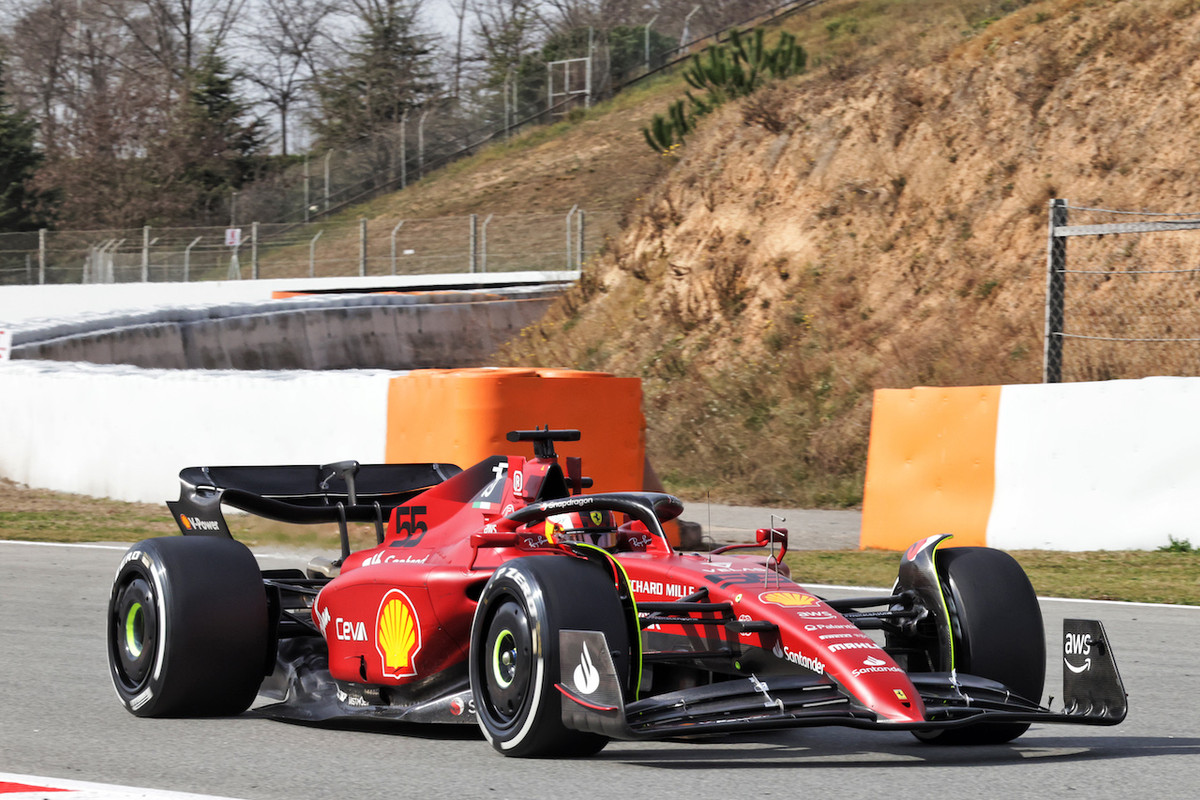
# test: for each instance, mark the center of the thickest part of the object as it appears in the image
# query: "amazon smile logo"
(1078, 644)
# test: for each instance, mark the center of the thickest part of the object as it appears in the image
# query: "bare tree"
(287, 37)
(176, 34)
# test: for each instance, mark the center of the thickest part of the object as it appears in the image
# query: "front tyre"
(997, 627)
(514, 661)
(187, 627)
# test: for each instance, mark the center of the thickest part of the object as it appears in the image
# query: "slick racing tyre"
(997, 628)
(187, 627)
(514, 660)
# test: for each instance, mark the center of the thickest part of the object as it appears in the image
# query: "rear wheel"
(514, 661)
(187, 627)
(998, 634)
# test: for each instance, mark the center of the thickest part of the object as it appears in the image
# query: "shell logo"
(398, 635)
(792, 599)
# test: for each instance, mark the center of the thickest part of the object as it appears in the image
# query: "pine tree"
(19, 160)
(389, 72)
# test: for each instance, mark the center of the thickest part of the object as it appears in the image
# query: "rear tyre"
(998, 634)
(514, 661)
(187, 627)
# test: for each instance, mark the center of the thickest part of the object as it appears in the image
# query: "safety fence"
(444, 130)
(472, 243)
(1127, 302)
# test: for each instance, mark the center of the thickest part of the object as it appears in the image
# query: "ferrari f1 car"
(557, 620)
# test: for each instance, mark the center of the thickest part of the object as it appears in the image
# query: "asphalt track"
(60, 718)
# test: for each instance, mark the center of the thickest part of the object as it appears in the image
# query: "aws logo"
(398, 635)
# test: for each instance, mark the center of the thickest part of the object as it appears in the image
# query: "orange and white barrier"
(1109, 465)
(123, 432)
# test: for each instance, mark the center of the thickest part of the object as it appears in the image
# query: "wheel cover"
(134, 632)
(508, 667)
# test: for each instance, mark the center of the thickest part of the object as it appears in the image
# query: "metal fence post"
(472, 241)
(362, 247)
(307, 189)
(328, 155)
(312, 254)
(41, 255)
(570, 250)
(395, 231)
(483, 243)
(404, 149)
(187, 258)
(254, 250)
(1056, 265)
(580, 239)
(145, 253)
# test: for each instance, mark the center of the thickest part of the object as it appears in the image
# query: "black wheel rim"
(507, 664)
(133, 633)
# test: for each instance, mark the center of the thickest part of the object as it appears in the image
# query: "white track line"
(52, 788)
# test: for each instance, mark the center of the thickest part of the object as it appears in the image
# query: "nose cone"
(879, 684)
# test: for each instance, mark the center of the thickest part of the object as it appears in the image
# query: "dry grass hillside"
(877, 222)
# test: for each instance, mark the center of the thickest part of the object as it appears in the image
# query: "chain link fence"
(475, 243)
(1124, 302)
(451, 128)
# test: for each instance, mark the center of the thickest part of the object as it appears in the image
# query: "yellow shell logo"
(399, 634)
(787, 598)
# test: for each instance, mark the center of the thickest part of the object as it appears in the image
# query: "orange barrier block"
(461, 416)
(930, 466)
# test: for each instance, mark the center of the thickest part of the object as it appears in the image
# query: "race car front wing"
(1093, 694)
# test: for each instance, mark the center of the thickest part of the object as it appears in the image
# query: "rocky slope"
(877, 222)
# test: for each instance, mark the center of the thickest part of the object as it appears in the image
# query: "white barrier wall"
(124, 433)
(65, 301)
(1110, 465)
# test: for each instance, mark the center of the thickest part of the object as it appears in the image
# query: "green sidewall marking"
(505, 635)
(131, 639)
(637, 686)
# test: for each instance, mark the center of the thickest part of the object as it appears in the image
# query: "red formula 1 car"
(504, 595)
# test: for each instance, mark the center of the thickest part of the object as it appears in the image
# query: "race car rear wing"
(342, 492)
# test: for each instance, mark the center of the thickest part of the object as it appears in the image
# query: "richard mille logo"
(587, 677)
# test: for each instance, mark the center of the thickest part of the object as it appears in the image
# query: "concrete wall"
(24, 305)
(400, 322)
(454, 329)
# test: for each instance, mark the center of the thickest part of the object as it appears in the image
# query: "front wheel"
(514, 661)
(996, 624)
(187, 627)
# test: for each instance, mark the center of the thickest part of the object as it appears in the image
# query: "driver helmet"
(598, 528)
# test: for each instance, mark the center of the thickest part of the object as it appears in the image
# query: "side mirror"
(768, 536)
